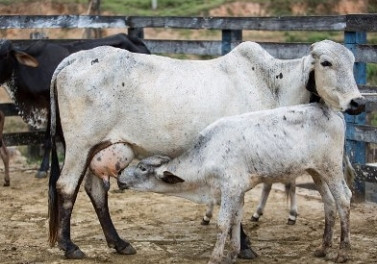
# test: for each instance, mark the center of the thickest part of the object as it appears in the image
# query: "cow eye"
(326, 64)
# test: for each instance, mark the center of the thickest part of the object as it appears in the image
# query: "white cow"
(236, 153)
(149, 105)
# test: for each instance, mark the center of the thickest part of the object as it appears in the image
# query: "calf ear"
(170, 178)
(26, 59)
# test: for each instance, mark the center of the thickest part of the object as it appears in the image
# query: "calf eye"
(142, 168)
(326, 64)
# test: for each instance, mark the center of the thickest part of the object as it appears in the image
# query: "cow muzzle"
(356, 106)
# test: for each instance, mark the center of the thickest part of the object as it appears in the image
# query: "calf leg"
(230, 205)
(97, 191)
(262, 203)
(330, 213)
(208, 215)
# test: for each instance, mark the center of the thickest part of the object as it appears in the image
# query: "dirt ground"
(167, 229)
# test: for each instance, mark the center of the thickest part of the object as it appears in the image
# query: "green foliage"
(311, 37)
(372, 74)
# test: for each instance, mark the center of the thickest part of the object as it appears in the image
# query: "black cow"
(28, 72)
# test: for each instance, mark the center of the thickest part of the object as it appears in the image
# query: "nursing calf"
(234, 154)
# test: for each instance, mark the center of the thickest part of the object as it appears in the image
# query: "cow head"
(334, 79)
(9, 56)
(150, 174)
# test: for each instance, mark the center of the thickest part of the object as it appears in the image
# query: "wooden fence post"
(356, 150)
(227, 37)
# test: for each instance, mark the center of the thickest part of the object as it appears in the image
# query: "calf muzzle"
(356, 106)
(121, 185)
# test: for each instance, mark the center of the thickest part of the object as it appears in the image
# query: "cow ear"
(26, 59)
(170, 178)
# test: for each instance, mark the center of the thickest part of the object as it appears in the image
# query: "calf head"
(334, 79)
(149, 174)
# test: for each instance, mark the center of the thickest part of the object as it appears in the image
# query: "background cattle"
(158, 105)
(27, 73)
(4, 151)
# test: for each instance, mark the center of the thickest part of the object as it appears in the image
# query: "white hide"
(158, 105)
(234, 154)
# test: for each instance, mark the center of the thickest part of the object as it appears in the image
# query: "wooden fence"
(355, 28)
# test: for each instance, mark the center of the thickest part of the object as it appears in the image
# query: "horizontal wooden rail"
(364, 53)
(366, 172)
(24, 138)
(362, 22)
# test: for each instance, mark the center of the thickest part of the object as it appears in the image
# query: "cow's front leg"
(342, 195)
(330, 213)
(96, 188)
(291, 192)
(246, 251)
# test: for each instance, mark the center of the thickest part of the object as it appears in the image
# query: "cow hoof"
(291, 222)
(205, 222)
(254, 219)
(127, 250)
(320, 253)
(341, 258)
(6, 184)
(247, 253)
(41, 175)
(75, 254)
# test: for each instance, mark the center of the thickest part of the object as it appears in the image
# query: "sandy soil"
(166, 229)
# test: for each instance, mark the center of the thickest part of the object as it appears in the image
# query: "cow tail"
(349, 171)
(53, 210)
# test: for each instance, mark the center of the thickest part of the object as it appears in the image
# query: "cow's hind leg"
(262, 203)
(97, 191)
(67, 187)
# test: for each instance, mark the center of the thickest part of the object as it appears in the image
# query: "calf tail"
(53, 210)
(349, 171)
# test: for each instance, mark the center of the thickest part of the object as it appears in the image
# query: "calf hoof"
(291, 222)
(127, 250)
(205, 222)
(6, 184)
(254, 219)
(41, 174)
(74, 254)
(247, 253)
